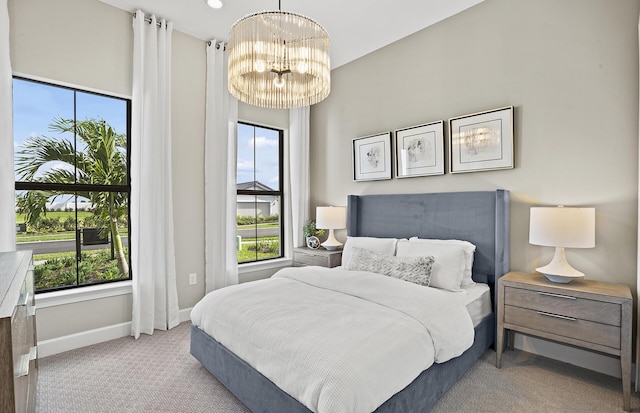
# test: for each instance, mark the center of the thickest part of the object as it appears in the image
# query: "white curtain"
(298, 156)
(155, 297)
(7, 181)
(220, 194)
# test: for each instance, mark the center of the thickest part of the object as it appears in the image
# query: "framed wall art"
(372, 157)
(420, 150)
(482, 141)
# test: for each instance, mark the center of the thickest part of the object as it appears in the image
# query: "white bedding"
(336, 340)
(477, 299)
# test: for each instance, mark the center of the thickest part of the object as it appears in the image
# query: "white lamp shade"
(563, 227)
(331, 217)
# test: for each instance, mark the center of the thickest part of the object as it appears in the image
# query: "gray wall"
(570, 68)
(88, 44)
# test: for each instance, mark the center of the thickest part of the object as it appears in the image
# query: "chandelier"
(278, 60)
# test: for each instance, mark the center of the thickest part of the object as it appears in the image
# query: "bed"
(481, 218)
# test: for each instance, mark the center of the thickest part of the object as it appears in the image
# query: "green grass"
(55, 236)
(53, 255)
(245, 255)
(267, 225)
(60, 214)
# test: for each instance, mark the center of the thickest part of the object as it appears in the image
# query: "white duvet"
(336, 340)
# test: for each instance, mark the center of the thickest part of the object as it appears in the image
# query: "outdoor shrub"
(69, 224)
(93, 267)
(268, 246)
(51, 224)
(245, 220)
(250, 219)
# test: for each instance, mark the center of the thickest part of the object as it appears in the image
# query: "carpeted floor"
(157, 374)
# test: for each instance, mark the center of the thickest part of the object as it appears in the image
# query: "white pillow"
(415, 270)
(382, 246)
(448, 262)
(469, 250)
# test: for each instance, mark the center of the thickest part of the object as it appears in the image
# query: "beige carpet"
(157, 374)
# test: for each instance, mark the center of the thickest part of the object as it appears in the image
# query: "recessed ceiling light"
(214, 4)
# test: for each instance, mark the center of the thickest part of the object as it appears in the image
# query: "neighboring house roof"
(254, 186)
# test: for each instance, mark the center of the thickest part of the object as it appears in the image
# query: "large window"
(259, 185)
(72, 183)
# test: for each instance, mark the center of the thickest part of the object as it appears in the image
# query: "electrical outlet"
(193, 278)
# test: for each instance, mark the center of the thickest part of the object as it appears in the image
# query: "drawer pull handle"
(563, 317)
(22, 365)
(568, 297)
(24, 299)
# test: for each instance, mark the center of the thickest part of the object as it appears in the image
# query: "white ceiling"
(355, 27)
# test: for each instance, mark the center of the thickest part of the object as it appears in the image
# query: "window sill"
(76, 295)
(265, 265)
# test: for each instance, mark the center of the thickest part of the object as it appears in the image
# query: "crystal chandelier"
(278, 60)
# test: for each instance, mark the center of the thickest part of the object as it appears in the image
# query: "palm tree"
(99, 159)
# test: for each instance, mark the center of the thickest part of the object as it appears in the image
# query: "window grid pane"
(259, 199)
(72, 185)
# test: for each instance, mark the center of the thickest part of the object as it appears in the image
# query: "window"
(71, 158)
(259, 186)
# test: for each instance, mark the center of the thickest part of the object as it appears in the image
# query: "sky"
(258, 155)
(36, 104)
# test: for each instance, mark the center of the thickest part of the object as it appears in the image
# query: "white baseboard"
(90, 337)
(572, 355)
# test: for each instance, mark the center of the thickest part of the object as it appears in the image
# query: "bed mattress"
(352, 322)
(477, 299)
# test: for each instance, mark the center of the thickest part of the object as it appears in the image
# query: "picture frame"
(419, 150)
(372, 157)
(481, 141)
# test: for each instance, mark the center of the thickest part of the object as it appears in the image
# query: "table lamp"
(562, 228)
(331, 218)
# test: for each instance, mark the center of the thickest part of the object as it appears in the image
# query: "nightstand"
(588, 314)
(304, 256)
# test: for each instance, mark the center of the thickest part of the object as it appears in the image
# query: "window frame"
(73, 188)
(279, 193)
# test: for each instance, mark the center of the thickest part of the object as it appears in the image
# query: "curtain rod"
(224, 45)
(148, 20)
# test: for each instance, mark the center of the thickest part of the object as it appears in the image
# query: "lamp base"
(331, 244)
(559, 270)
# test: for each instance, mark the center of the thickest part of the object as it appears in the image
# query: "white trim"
(71, 85)
(264, 265)
(91, 292)
(88, 338)
(185, 314)
(82, 339)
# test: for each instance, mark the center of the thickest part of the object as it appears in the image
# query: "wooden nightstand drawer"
(310, 259)
(564, 304)
(588, 314)
(322, 258)
(571, 327)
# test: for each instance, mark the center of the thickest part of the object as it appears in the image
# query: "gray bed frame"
(479, 217)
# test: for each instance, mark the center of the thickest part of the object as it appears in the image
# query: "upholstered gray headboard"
(479, 217)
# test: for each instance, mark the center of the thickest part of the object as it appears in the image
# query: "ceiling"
(355, 27)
